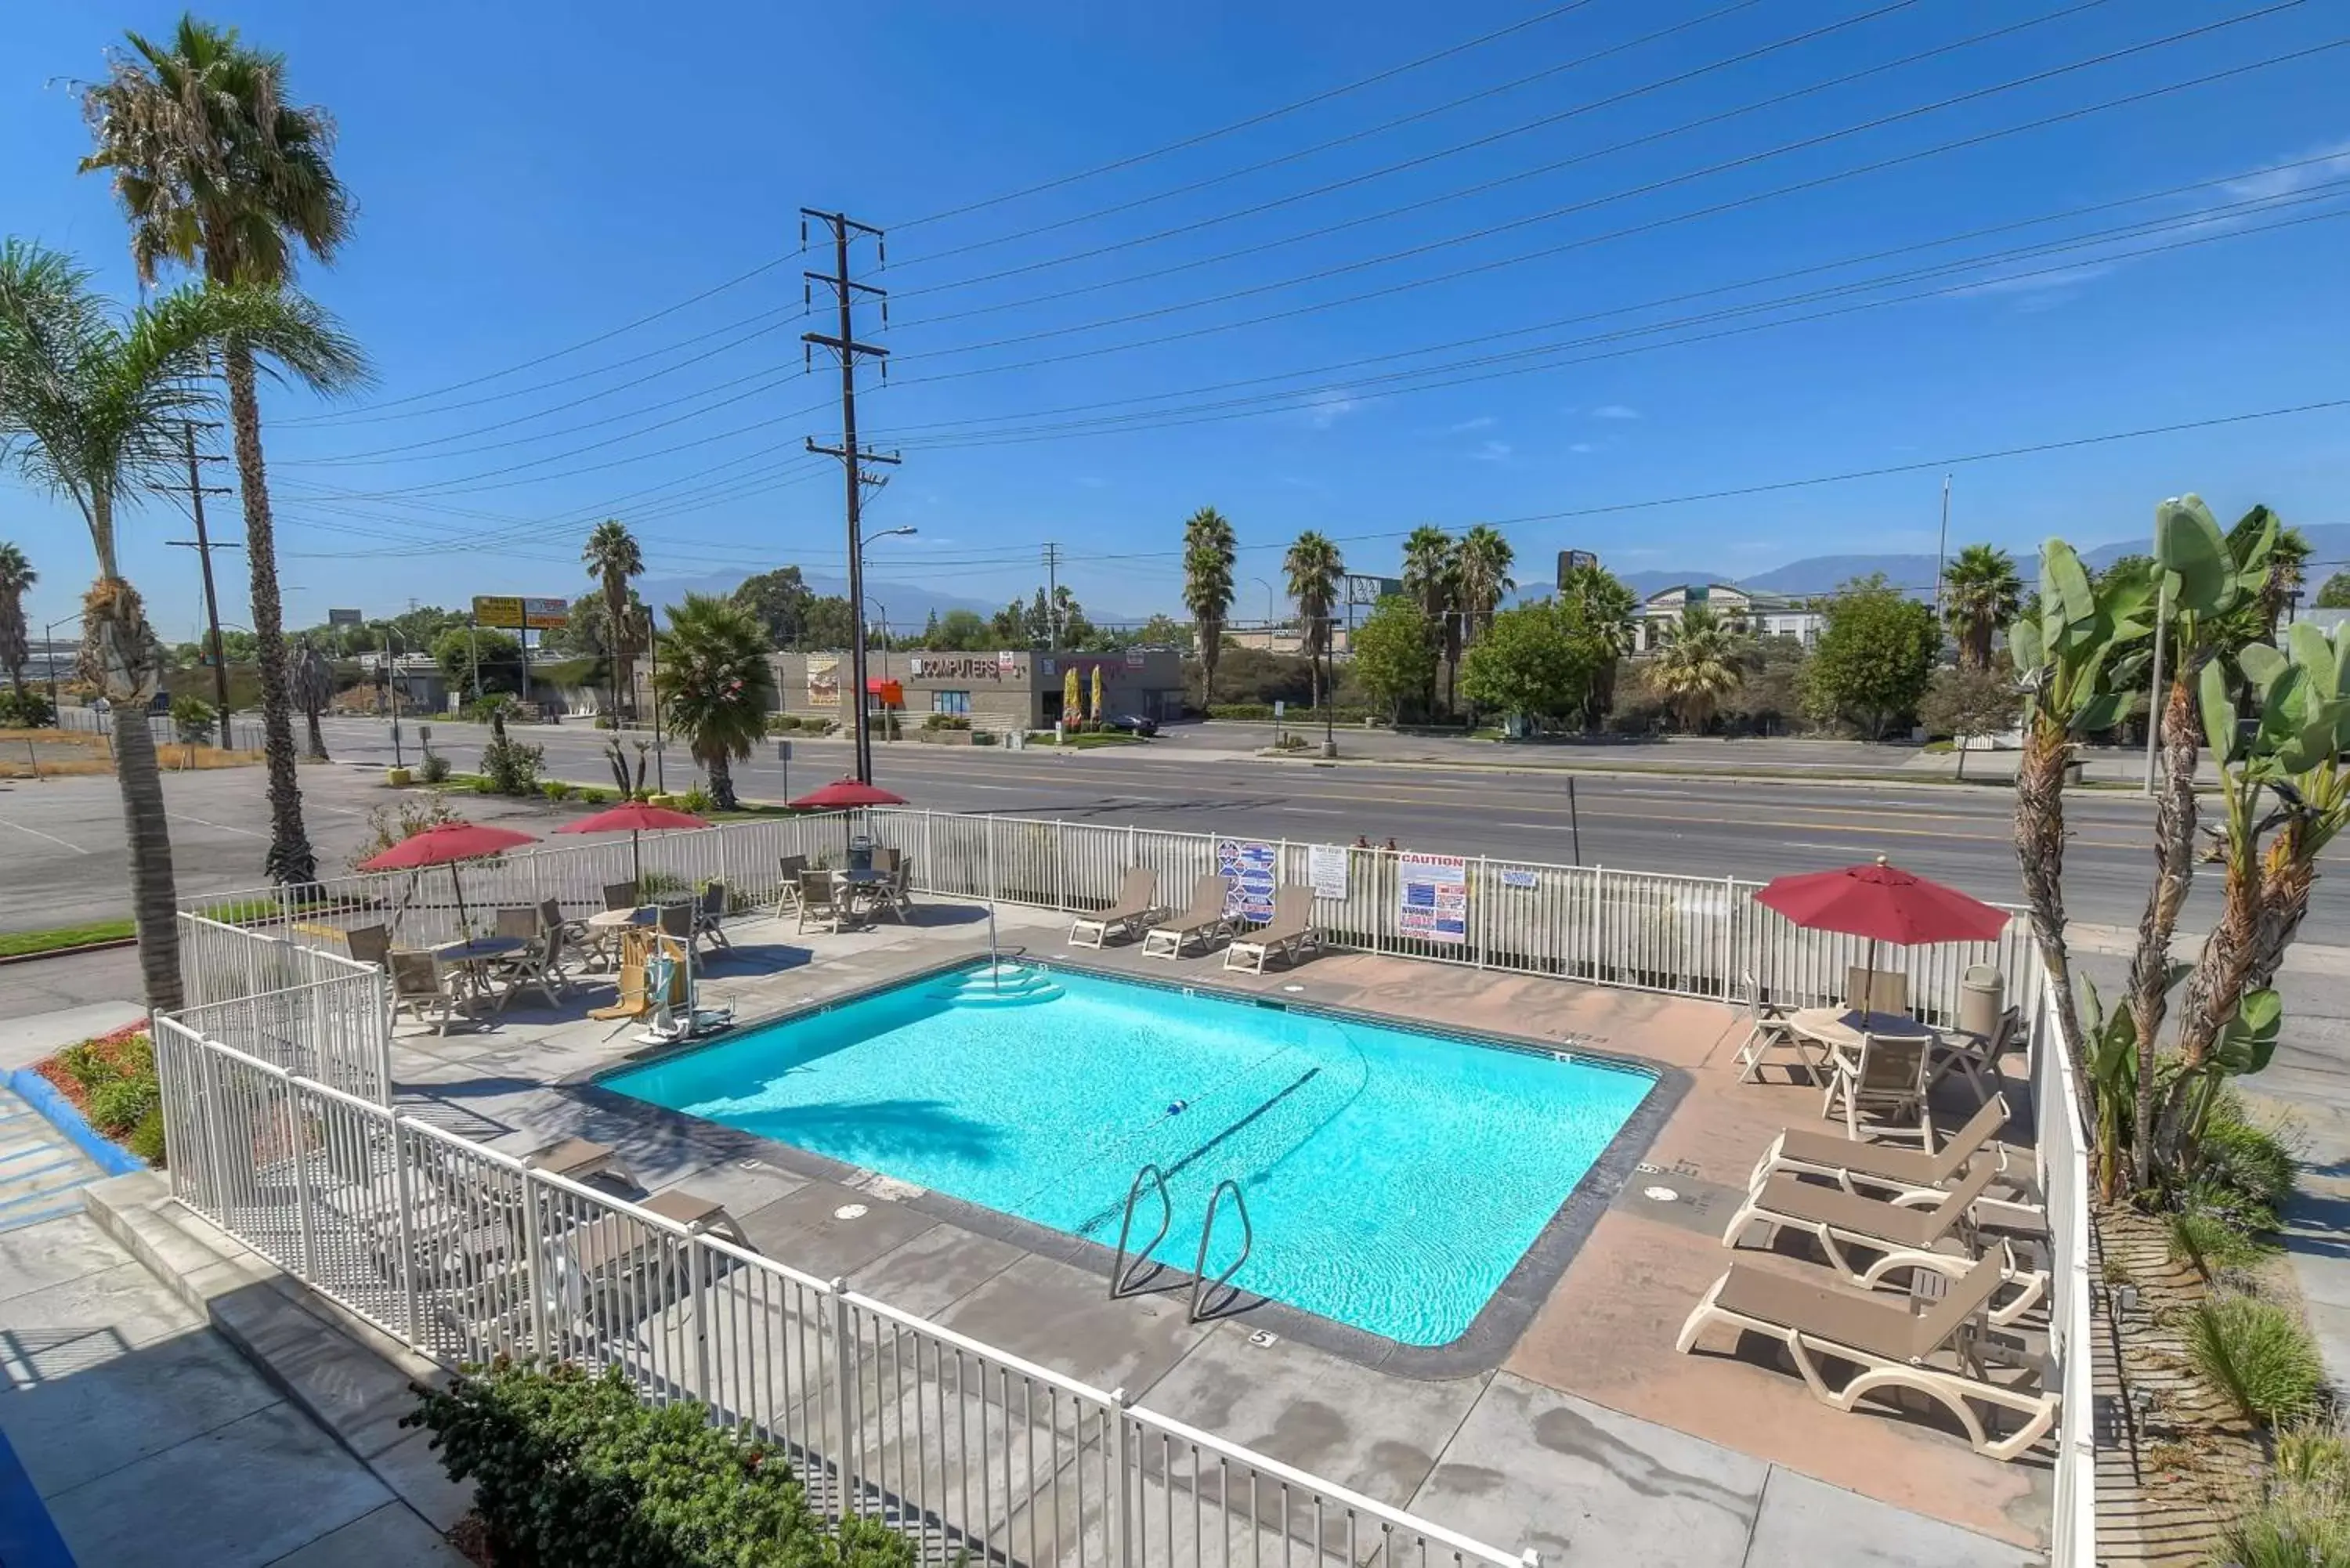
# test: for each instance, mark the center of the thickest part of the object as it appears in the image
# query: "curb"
(105, 947)
(42, 1095)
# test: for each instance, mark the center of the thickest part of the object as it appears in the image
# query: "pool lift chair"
(668, 1025)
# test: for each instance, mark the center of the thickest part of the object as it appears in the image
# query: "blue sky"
(530, 177)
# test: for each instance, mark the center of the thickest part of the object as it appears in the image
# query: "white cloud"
(2044, 282)
(1482, 422)
(1614, 411)
(1492, 452)
(1323, 410)
(1583, 446)
(2318, 165)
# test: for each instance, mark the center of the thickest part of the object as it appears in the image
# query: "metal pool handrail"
(1119, 1284)
(1201, 1289)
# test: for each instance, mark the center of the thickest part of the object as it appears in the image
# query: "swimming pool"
(1394, 1177)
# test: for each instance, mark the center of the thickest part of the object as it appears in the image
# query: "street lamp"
(864, 730)
(49, 643)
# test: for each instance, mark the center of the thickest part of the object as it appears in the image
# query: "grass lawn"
(1103, 738)
(16, 944)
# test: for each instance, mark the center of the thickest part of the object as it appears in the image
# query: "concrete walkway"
(41, 1171)
(150, 1441)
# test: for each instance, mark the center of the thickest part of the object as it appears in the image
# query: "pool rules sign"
(1432, 897)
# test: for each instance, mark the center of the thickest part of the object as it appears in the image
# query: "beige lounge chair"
(1136, 905)
(820, 903)
(1888, 1338)
(1913, 1174)
(1907, 1235)
(420, 985)
(1290, 932)
(577, 1159)
(1204, 920)
(1768, 1029)
(1887, 1079)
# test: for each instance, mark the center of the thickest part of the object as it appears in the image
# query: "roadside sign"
(344, 618)
(509, 612)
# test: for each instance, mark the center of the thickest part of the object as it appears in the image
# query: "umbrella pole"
(637, 861)
(458, 884)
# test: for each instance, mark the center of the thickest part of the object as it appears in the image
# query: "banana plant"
(2079, 659)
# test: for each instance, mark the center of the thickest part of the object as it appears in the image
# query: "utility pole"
(1941, 551)
(1053, 595)
(852, 457)
(203, 547)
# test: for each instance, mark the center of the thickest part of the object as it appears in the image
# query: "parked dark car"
(1132, 723)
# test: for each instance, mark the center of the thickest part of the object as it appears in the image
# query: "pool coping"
(1479, 1348)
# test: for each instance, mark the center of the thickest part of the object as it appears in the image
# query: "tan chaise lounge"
(1888, 1337)
(1288, 933)
(1912, 1173)
(1204, 920)
(1135, 907)
(1909, 1235)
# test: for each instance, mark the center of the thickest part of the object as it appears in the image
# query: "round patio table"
(1840, 1028)
(475, 956)
(603, 928)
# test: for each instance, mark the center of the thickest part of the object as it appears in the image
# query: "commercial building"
(995, 691)
(1743, 610)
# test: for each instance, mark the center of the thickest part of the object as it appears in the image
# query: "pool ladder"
(1123, 1275)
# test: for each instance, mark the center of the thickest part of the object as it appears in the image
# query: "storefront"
(993, 690)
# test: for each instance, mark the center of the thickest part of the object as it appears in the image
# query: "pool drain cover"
(1660, 1195)
(855, 1212)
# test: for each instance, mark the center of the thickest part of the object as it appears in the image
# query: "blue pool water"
(1394, 1178)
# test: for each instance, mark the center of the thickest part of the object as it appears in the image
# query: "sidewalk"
(150, 1441)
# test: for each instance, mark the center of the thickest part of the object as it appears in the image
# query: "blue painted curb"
(42, 1095)
(28, 1537)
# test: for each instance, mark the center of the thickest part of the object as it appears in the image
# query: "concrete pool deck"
(1591, 1437)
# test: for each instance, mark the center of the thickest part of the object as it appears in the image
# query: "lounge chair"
(788, 895)
(620, 896)
(421, 985)
(1204, 920)
(576, 1159)
(708, 913)
(1913, 1174)
(1889, 1077)
(1888, 1338)
(1907, 1235)
(1768, 1029)
(820, 902)
(1867, 989)
(1136, 905)
(1290, 932)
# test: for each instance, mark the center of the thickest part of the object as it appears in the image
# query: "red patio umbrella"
(846, 793)
(1884, 903)
(447, 844)
(636, 818)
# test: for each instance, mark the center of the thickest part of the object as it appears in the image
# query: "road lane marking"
(222, 826)
(36, 832)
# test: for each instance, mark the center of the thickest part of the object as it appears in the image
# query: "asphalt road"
(1719, 826)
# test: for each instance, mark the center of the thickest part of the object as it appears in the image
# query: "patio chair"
(893, 897)
(420, 985)
(1768, 1029)
(887, 857)
(708, 913)
(788, 895)
(369, 944)
(1204, 920)
(1137, 905)
(631, 1001)
(1867, 989)
(1907, 1235)
(539, 966)
(820, 902)
(1290, 932)
(620, 896)
(1888, 1077)
(1889, 1340)
(1975, 1057)
(678, 918)
(1910, 1173)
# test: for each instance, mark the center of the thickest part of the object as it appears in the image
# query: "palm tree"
(715, 685)
(1209, 551)
(1314, 571)
(16, 576)
(1483, 561)
(90, 409)
(213, 164)
(1600, 602)
(1431, 577)
(1701, 664)
(310, 680)
(2288, 561)
(1980, 593)
(612, 557)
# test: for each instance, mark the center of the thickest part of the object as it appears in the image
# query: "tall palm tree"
(215, 166)
(612, 557)
(1209, 551)
(1483, 562)
(16, 576)
(2288, 562)
(90, 409)
(1702, 664)
(715, 685)
(1980, 593)
(1431, 578)
(1602, 605)
(1314, 571)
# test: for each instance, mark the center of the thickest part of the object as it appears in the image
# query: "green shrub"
(592, 796)
(694, 801)
(193, 719)
(947, 722)
(556, 790)
(26, 710)
(782, 723)
(1240, 709)
(607, 722)
(434, 769)
(511, 766)
(111, 1079)
(146, 1139)
(480, 785)
(653, 883)
(2206, 1239)
(982, 737)
(121, 1104)
(2257, 1355)
(569, 1468)
(2244, 1170)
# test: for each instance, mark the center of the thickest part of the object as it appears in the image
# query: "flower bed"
(110, 1082)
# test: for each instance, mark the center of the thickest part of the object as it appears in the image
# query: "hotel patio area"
(1571, 1429)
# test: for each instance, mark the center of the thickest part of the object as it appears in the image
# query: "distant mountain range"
(2329, 545)
(907, 607)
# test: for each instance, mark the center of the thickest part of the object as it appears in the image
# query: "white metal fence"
(237, 732)
(465, 1253)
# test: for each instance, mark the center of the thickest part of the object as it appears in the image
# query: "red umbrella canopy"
(637, 816)
(1884, 903)
(846, 793)
(445, 845)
